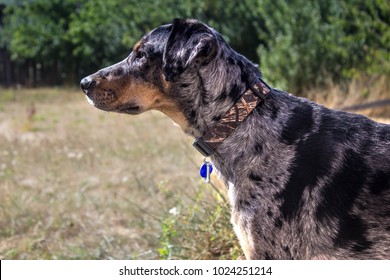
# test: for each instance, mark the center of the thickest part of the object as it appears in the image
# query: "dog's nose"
(86, 83)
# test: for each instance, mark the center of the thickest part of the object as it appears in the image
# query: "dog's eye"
(140, 54)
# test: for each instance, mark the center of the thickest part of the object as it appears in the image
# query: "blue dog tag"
(205, 171)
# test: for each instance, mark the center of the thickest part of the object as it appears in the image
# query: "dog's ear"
(190, 43)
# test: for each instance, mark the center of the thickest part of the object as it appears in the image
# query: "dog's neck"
(250, 99)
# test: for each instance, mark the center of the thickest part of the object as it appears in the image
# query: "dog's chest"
(242, 224)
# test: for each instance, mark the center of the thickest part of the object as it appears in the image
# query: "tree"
(310, 42)
(299, 44)
(34, 31)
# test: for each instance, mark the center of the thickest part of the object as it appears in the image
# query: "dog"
(304, 181)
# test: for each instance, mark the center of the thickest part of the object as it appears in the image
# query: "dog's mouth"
(105, 100)
(128, 108)
(101, 99)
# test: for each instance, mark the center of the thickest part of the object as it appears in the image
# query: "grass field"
(79, 183)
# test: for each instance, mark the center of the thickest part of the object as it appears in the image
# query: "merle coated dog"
(305, 182)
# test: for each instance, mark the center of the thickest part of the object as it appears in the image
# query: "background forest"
(298, 44)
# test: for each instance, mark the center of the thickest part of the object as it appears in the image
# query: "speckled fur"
(306, 182)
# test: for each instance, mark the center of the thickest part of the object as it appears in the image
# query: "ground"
(77, 183)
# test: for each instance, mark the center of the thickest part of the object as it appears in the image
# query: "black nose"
(86, 83)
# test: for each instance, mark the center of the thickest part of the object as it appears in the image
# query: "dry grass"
(360, 91)
(79, 183)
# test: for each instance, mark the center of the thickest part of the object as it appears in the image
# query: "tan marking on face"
(137, 45)
(150, 98)
(166, 85)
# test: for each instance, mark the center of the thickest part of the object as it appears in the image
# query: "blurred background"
(298, 44)
(79, 183)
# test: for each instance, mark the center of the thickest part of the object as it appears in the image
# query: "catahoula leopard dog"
(305, 181)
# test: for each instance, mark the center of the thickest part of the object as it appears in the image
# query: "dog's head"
(184, 69)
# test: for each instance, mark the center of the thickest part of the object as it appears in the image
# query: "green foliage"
(36, 30)
(199, 227)
(299, 44)
(91, 34)
(307, 43)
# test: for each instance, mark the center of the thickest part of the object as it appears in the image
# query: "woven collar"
(253, 96)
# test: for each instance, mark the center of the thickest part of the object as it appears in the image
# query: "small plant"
(199, 228)
(167, 234)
